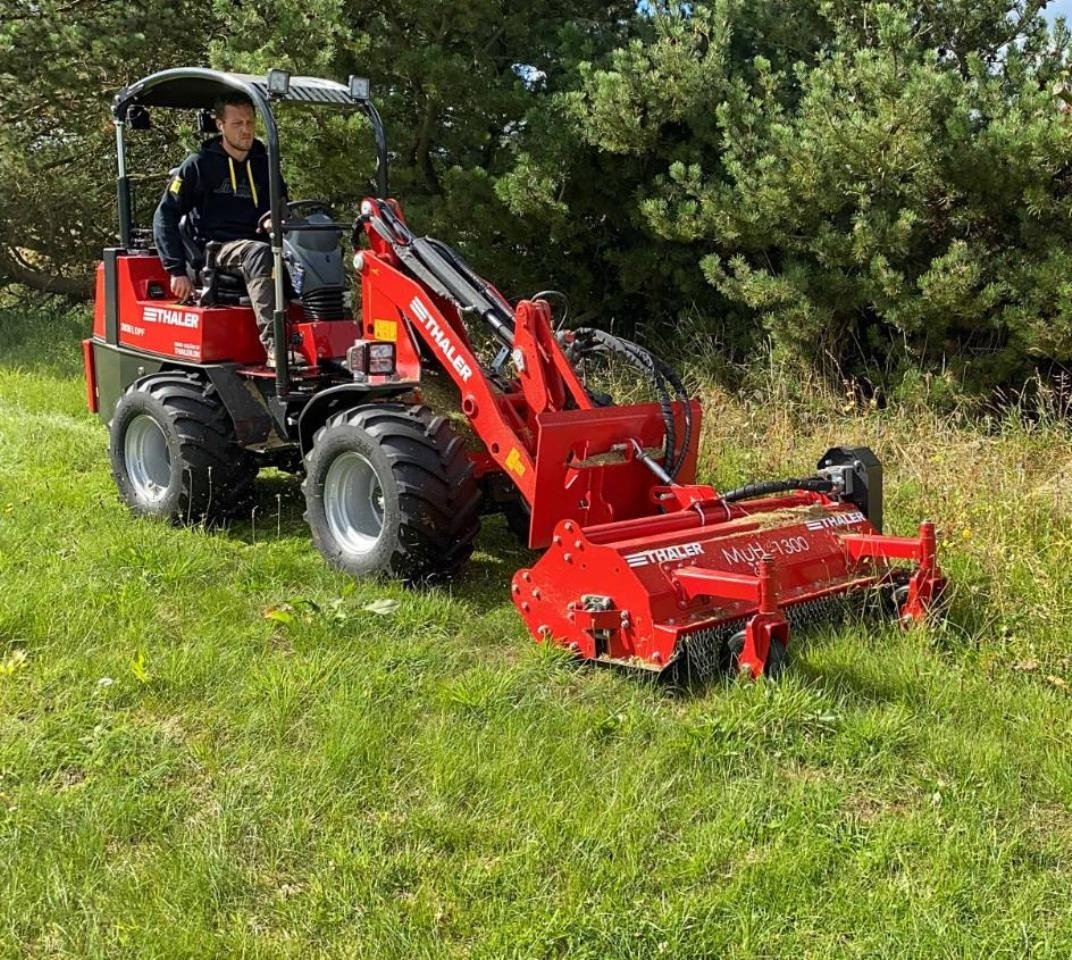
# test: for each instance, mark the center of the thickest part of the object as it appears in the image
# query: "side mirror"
(206, 123)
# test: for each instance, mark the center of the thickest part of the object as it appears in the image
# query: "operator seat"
(215, 284)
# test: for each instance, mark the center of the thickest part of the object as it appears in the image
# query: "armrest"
(212, 249)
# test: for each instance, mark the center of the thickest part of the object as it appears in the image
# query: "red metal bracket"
(860, 545)
(696, 582)
(765, 625)
(926, 585)
(688, 496)
(596, 619)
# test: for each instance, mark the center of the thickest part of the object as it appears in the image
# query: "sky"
(1060, 8)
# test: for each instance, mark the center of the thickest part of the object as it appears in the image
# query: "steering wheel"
(302, 208)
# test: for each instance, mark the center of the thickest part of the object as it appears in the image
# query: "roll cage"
(198, 88)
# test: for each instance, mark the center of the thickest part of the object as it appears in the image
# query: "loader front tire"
(389, 491)
(173, 451)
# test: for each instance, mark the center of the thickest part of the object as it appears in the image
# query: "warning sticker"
(385, 330)
(514, 462)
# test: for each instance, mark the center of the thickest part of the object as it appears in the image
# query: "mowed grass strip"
(184, 776)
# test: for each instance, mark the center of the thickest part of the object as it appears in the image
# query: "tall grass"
(184, 776)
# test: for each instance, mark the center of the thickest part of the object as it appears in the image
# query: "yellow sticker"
(385, 330)
(513, 462)
(176, 185)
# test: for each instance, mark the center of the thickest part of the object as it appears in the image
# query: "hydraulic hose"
(752, 490)
(659, 373)
(641, 360)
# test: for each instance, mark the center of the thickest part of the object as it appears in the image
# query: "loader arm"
(567, 458)
(391, 296)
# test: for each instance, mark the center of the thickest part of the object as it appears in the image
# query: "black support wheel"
(777, 656)
(173, 451)
(389, 491)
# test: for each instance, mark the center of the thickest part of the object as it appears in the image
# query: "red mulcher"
(643, 566)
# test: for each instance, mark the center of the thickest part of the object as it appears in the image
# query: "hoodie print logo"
(241, 189)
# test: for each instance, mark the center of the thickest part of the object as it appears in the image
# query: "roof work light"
(359, 88)
(278, 82)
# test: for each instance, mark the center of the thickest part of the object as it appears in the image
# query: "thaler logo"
(836, 520)
(173, 318)
(441, 338)
(662, 554)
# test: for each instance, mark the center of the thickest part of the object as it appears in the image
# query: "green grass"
(182, 777)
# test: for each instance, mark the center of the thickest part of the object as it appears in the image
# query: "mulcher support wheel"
(173, 451)
(777, 655)
(389, 491)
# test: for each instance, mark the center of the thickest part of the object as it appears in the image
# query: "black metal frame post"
(379, 137)
(122, 187)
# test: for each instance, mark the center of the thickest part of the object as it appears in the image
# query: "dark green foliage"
(873, 183)
(863, 185)
(462, 89)
(60, 66)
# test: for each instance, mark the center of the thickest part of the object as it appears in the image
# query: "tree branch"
(14, 270)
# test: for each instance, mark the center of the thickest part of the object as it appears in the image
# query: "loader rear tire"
(389, 491)
(173, 451)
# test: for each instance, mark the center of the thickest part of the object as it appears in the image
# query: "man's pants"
(253, 259)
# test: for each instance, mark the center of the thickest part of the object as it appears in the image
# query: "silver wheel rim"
(148, 460)
(353, 503)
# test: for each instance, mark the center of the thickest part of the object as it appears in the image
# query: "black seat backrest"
(192, 244)
(216, 284)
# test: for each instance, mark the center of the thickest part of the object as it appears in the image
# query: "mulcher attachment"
(730, 573)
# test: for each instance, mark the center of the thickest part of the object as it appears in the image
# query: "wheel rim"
(353, 502)
(147, 458)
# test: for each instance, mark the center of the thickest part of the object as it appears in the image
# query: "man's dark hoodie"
(229, 199)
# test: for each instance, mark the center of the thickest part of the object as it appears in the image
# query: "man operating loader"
(224, 187)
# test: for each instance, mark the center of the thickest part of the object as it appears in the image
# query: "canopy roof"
(195, 87)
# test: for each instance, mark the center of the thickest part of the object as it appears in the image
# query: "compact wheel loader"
(642, 565)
